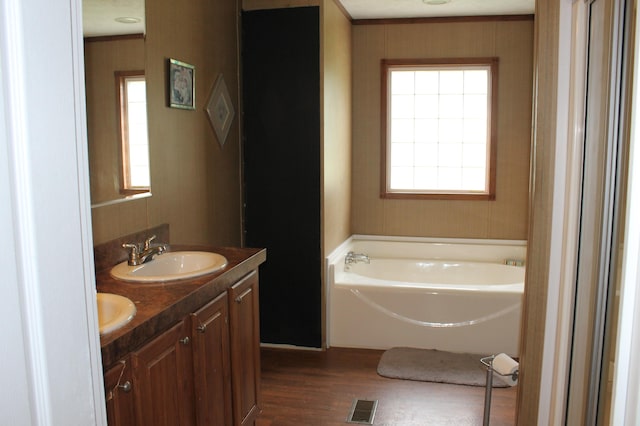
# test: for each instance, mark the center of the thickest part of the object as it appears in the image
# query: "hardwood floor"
(318, 388)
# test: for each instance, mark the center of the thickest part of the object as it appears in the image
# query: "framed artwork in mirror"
(182, 85)
(220, 110)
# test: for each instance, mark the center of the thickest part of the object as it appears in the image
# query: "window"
(438, 128)
(135, 176)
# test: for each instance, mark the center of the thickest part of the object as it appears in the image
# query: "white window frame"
(389, 65)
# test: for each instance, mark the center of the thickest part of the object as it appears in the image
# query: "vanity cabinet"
(119, 394)
(163, 379)
(212, 363)
(204, 370)
(245, 349)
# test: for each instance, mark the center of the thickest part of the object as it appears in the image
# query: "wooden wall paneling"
(504, 218)
(366, 212)
(336, 126)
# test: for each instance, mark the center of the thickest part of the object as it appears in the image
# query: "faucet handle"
(135, 249)
(134, 253)
(147, 242)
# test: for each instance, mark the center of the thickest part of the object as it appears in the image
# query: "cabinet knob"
(185, 341)
(201, 328)
(239, 299)
(126, 386)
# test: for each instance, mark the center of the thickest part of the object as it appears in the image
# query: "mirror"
(116, 100)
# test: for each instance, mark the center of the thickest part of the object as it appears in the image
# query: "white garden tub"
(455, 295)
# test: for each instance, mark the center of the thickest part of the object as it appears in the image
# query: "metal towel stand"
(488, 362)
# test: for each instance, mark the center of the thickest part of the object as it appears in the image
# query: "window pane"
(451, 106)
(402, 178)
(135, 133)
(474, 155)
(426, 155)
(402, 154)
(449, 178)
(402, 106)
(426, 177)
(427, 106)
(475, 130)
(401, 130)
(402, 82)
(450, 155)
(476, 81)
(136, 91)
(427, 82)
(474, 179)
(140, 175)
(451, 82)
(475, 106)
(426, 130)
(450, 131)
(438, 129)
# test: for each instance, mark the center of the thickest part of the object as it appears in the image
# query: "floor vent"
(362, 411)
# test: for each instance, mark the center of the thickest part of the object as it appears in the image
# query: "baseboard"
(286, 346)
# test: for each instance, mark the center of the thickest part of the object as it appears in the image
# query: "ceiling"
(99, 15)
(380, 9)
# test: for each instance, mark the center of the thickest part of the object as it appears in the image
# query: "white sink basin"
(176, 265)
(114, 311)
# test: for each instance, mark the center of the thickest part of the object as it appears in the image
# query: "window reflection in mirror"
(106, 58)
(134, 141)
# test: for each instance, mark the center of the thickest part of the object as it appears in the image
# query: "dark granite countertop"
(161, 305)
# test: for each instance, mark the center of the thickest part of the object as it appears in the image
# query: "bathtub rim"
(344, 246)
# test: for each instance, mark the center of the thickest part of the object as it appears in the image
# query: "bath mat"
(430, 365)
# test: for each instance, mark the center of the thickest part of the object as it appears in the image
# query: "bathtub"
(446, 294)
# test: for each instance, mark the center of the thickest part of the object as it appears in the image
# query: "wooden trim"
(114, 38)
(545, 109)
(493, 123)
(122, 129)
(438, 196)
(248, 5)
(443, 20)
(490, 195)
(384, 119)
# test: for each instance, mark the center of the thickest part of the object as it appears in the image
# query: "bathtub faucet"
(352, 258)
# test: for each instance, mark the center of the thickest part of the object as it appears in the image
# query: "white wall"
(50, 350)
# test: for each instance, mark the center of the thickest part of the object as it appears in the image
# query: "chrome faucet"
(142, 253)
(352, 258)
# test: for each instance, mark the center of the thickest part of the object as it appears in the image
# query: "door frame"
(53, 359)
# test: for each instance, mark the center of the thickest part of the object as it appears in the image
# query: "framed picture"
(182, 85)
(220, 109)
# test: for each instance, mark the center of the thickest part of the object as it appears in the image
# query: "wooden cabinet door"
(211, 363)
(163, 378)
(245, 349)
(119, 395)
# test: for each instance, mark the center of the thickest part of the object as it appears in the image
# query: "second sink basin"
(114, 311)
(171, 266)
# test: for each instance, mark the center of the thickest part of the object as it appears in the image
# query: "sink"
(170, 266)
(114, 311)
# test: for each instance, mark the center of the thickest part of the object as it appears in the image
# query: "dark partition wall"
(281, 102)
